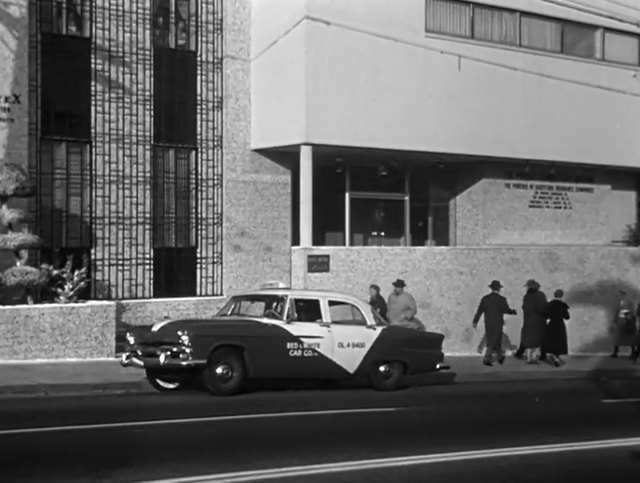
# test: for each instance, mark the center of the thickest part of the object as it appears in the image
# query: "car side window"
(304, 310)
(344, 313)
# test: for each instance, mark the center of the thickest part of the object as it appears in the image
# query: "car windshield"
(259, 305)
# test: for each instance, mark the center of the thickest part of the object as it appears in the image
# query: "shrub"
(65, 283)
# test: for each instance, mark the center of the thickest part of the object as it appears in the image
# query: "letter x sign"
(13, 99)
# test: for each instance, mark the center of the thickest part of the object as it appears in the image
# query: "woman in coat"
(555, 337)
(623, 326)
(534, 306)
(377, 301)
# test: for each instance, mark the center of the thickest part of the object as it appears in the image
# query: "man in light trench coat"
(493, 306)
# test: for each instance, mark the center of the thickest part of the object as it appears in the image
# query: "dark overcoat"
(493, 306)
(379, 304)
(534, 306)
(624, 324)
(555, 337)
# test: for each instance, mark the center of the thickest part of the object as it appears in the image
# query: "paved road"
(159, 436)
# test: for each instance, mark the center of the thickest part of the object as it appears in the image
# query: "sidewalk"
(107, 376)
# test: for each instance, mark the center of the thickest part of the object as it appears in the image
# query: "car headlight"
(183, 337)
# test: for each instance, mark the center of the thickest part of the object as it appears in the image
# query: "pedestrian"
(377, 301)
(534, 304)
(402, 308)
(623, 325)
(555, 338)
(493, 307)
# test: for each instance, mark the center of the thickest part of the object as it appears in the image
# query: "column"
(306, 196)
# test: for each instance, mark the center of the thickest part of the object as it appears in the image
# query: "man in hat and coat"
(493, 306)
(402, 308)
(623, 325)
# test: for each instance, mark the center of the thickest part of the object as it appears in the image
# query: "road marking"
(212, 419)
(628, 400)
(373, 464)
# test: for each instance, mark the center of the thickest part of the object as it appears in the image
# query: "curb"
(448, 377)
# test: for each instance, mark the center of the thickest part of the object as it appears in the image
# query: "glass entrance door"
(377, 222)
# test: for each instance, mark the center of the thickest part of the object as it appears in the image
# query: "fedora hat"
(495, 285)
(399, 283)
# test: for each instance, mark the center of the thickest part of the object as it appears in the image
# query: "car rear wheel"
(225, 373)
(385, 376)
(163, 381)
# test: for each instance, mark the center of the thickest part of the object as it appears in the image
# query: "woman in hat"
(534, 305)
(555, 337)
(377, 301)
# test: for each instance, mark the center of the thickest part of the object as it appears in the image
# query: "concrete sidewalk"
(107, 376)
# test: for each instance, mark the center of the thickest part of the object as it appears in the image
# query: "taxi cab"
(283, 333)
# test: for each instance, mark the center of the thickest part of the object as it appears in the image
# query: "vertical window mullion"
(471, 20)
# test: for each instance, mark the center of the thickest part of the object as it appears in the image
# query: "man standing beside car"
(493, 306)
(402, 308)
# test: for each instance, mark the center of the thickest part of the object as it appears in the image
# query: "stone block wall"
(448, 283)
(73, 331)
(148, 312)
(256, 190)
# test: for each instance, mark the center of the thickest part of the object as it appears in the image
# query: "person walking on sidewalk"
(402, 308)
(377, 301)
(534, 304)
(555, 343)
(623, 325)
(493, 307)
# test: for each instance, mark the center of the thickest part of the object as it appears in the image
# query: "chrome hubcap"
(224, 372)
(386, 370)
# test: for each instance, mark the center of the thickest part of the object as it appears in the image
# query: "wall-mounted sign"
(7, 103)
(318, 263)
(550, 197)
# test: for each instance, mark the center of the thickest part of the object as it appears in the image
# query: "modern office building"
(193, 148)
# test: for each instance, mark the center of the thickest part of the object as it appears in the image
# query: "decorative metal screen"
(120, 163)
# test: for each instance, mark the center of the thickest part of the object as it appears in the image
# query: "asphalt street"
(454, 433)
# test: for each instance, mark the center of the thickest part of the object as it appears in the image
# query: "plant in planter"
(67, 283)
(14, 183)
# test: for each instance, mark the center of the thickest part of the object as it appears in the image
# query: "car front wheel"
(225, 373)
(162, 381)
(385, 376)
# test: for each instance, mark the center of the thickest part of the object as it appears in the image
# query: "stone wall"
(148, 312)
(448, 283)
(73, 331)
(256, 189)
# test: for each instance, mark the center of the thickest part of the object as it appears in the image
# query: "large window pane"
(495, 25)
(376, 222)
(431, 193)
(579, 40)
(328, 205)
(621, 48)
(539, 33)
(448, 17)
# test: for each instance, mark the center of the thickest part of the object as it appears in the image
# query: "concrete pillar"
(306, 196)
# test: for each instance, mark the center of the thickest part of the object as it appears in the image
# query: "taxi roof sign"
(274, 284)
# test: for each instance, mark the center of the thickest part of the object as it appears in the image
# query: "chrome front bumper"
(164, 360)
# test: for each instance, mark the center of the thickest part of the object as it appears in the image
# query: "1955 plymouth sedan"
(281, 333)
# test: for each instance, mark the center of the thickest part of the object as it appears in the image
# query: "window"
(579, 40)
(495, 25)
(305, 310)
(269, 306)
(448, 17)
(432, 190)
(66, 17)
(66, 87)
(173, 173)
(328, 204)
(65, 194)
(378, 177)
(540, 33)
(174, 24)
(344, 313)
(621, 48)
(378, 222)
(174, 97)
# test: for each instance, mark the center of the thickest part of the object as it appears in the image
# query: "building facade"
(192, 148)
